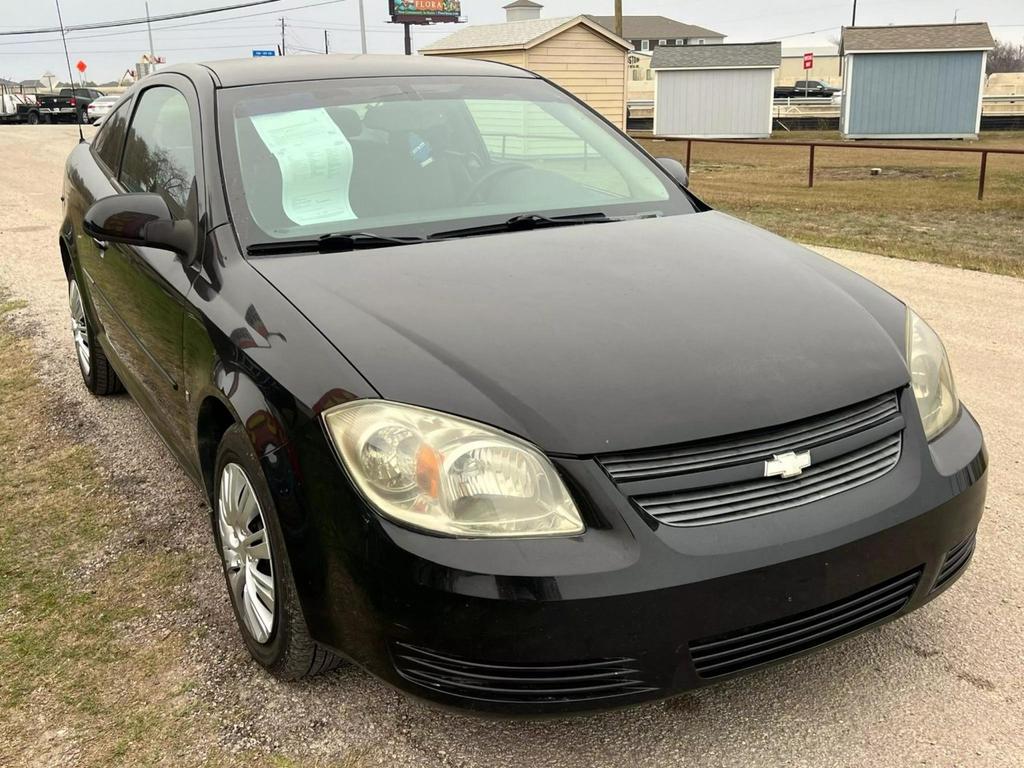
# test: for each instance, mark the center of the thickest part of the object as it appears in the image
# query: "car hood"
(606, 337)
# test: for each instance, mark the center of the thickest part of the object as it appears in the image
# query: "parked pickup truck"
(68, 105)
(805, 88)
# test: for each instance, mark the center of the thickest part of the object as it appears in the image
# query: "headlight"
(931, 377)
(449, 475)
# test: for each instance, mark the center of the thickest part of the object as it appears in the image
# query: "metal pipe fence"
(984, 152)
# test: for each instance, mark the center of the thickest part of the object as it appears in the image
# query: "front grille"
(520, 683)
(735, 501)
(747, 648)
(753, 446)
(954, 562)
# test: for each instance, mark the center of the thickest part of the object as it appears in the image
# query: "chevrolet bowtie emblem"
(787, 464)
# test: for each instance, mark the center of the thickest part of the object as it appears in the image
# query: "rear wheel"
(97, 373)
(256, 568)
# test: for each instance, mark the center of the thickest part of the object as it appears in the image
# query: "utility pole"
(149, 28)
(853, 23)
(408, 38)
(282, 35)
(618, 17)
(327, 48)
(362, 29)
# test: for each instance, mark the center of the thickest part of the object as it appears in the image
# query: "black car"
(805, 88)
(487, 402)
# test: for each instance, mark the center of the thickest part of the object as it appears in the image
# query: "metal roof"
(721, 56)
(654, 28)
(522, 4)
(918, 37)
(513, 34)
(279, 69)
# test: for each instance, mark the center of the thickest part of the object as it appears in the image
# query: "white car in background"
(99, 108)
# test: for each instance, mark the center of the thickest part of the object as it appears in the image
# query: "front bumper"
(632, 610)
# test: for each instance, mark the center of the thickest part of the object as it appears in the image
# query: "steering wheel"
(490, 175)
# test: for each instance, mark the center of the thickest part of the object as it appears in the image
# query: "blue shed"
(914, 82)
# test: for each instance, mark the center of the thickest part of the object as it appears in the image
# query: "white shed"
(715, 91)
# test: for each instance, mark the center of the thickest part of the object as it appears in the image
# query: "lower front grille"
(753, 646)
(520, 683)
(955, 561)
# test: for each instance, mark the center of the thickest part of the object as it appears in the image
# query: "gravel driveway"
(940, 687)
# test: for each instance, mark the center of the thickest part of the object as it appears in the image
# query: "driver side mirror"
(674, 169)
(139, 218)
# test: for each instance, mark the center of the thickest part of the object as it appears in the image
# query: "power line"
(139, 20)
(205, 22)
(245, 46)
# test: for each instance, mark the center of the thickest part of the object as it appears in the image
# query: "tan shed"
(581, 56)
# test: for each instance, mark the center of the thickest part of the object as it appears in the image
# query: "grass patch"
(86, 675)
(923, 206)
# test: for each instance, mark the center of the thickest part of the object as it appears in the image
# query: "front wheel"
(256, 568)
(33, 118)
(97, 373)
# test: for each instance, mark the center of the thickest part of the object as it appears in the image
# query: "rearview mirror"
(674, 169)
(139, 218)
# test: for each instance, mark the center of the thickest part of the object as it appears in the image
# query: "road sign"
(80, 66)
(808, 60)
(268, 52)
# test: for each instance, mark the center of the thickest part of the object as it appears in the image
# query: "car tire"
(97, 373)
(33, 118)
(271, 623)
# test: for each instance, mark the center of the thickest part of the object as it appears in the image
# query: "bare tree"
(1005, 57)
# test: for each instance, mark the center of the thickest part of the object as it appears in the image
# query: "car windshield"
(415, 156)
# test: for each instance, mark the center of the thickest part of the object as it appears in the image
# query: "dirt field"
(117, 644)
(922, 206)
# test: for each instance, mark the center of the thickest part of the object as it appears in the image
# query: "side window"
(108, 142)
(159, 155)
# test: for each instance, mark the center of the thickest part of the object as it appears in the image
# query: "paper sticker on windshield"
(316, 164)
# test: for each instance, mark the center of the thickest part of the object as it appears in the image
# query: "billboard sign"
(424, 11)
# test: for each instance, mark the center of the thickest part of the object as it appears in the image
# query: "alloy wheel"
(79, 329)
(245, 545)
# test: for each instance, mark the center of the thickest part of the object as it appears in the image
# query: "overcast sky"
(235, 33)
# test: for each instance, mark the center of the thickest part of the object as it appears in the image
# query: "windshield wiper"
(354, 241)
(330, 243)
(526, 221)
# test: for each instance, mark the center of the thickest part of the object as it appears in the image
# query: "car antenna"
(71, 77)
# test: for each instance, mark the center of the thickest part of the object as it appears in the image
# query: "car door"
(91, 254)
(146, 287)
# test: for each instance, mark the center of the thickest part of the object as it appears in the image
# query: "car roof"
(282, 69)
